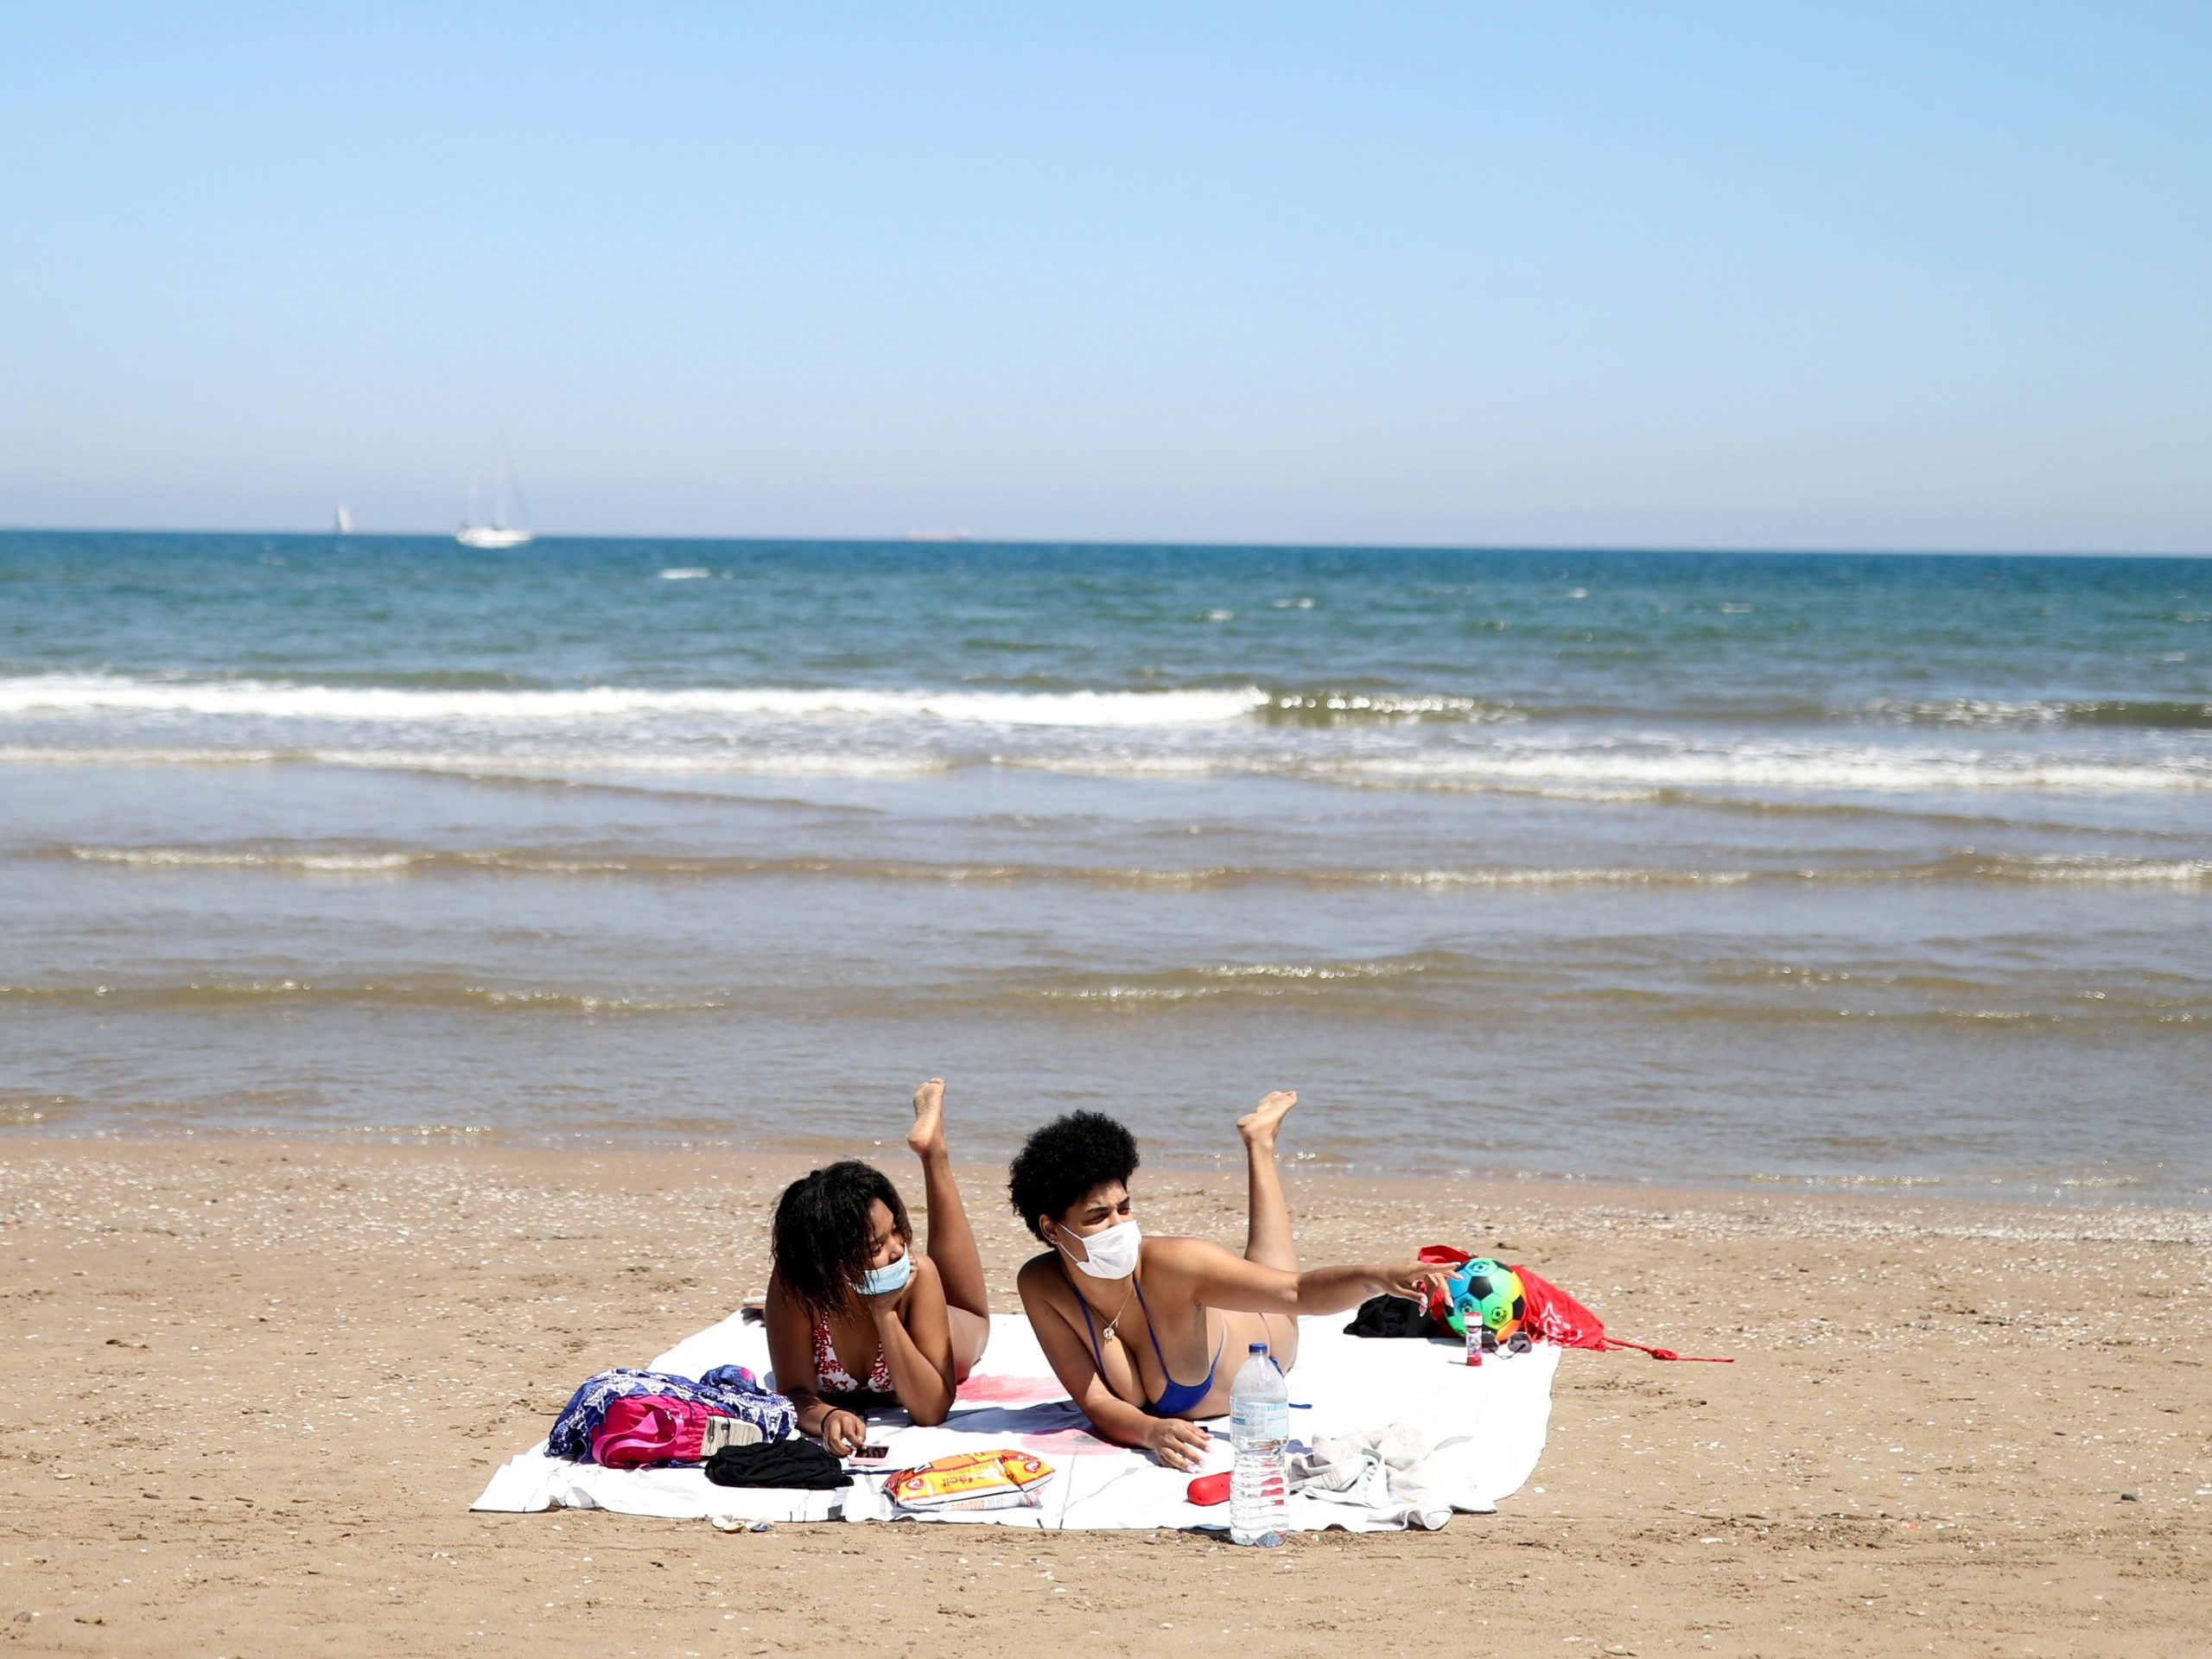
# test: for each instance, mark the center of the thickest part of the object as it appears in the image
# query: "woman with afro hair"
(1147, 1333)
(855, 1316)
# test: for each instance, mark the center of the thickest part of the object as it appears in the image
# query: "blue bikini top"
(1178, 1397)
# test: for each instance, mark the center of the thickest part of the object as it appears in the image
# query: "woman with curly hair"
(1124, 1316)
(856, 1317)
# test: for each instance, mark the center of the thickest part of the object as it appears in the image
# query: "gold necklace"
(1107, 1330)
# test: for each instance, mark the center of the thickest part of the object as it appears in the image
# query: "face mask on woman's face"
(881, 1281)
(1109, 1253)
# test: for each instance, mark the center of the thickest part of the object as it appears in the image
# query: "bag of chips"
(971, 1480)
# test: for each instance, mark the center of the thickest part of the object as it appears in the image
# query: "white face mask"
(1109, 1253)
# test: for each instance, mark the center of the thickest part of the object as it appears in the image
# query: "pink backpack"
(649, 1428)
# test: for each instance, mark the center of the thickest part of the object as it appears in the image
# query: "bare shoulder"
(778, 1304)
(1176, 1254)
(1041, 1278)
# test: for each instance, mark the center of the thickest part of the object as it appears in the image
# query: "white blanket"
(1488, 1425)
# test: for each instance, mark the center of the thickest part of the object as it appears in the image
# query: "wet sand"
(251, 1388)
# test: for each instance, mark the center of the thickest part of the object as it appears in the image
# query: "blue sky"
(1923, 276)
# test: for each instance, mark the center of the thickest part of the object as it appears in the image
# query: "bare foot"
(928, 1133)
(1259, 1125)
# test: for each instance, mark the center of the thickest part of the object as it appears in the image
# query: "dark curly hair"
(821, 1236)
(1066, 1159)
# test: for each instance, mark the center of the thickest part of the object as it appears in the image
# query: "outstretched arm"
(1213, 1277)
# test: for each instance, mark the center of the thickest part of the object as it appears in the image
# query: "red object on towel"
(1210, 1489)
(649, 1428)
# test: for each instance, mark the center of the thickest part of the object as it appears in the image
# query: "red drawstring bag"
(1552, 1313)
(1557, 1317)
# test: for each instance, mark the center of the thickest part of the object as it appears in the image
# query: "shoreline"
(805, 1152)
(257, 1385)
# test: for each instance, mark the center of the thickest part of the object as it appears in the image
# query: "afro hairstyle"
(819, 1241)
(1066, 1159)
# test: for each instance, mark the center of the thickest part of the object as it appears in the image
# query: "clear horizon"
(712, 537)
(1729, 279)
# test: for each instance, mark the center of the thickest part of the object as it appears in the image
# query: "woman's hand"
(1178, 1444)
(884, 1306)
(1412, 1280)
(843, 1433)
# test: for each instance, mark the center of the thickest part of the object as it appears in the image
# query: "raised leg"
(951, 1242)
(1267, 1228)
(1267, 1238)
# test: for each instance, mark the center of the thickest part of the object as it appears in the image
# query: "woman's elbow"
(929, 1414)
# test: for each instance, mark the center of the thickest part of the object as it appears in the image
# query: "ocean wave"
(469, 700)
(216, 995)
(111, 754)
(2092, 869)
(1442, 986)
(1641, 766)
(474, 696)
(541, 861)
(204, 858)
(1423, 988)
(34, 1111)
(325, 860)
(1327, 708)
(1761, 766)
(1239, 982)
(61, 694)
(559, 766)
(2184, 714)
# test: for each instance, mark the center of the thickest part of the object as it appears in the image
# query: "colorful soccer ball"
(1488, 1291)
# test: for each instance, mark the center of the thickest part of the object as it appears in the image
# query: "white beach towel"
(1487, 1425)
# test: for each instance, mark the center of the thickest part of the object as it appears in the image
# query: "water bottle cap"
(1257, 1348)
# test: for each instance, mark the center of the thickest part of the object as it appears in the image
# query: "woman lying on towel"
(1144, 1333)
(855, 1316)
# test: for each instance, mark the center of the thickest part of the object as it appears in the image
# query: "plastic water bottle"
(1259, 1424)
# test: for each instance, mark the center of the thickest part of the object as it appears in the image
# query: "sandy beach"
(253, 1387)
(1620, 604)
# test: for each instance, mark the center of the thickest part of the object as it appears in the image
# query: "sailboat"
(499, 533)
(345, 524)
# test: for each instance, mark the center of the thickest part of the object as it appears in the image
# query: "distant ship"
(499, 533)
(960, 534)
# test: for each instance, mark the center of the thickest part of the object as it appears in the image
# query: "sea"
(1783, 871)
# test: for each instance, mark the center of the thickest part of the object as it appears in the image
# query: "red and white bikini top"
(831, 1378)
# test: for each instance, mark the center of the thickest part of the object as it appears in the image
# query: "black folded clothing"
(802, 1464)
(1391, 1316)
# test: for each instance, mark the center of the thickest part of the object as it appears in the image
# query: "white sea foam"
(1567, 878)
(25, 754)
(1759, 765)
(566, 762)
(2181, 872)
(195, 858)
(67, 693)
(548, 763)
(688, 573)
